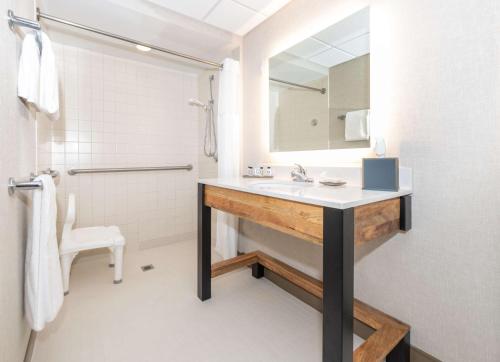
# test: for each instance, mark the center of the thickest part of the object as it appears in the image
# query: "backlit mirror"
(319, 89)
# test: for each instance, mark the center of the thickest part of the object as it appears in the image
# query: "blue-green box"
(381, 174)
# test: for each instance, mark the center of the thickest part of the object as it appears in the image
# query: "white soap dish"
(333, 182)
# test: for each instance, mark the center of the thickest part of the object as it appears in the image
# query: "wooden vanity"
(336, 219)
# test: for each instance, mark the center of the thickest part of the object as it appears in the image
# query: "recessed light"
(142, 48)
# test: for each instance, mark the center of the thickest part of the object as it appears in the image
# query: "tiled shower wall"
(121, 113)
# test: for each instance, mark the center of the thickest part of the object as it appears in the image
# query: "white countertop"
(342, 197)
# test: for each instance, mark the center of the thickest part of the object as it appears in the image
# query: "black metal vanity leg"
(338, 280)
(400, 353)
(204, 246)
(257, 270)
(405, 213)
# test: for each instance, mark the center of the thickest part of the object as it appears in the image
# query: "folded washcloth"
(357, 125)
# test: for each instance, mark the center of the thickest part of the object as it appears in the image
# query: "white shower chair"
(75, 240)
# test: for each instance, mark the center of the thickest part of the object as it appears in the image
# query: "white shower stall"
(123, 108)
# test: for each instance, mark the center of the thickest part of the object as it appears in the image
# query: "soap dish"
(333, 182)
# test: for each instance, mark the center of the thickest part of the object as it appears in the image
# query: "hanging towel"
(43, 288)
(228, 126)
(357, 125)
(28, 85)
(49, 88)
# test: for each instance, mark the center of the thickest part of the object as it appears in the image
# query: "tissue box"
(381, 174)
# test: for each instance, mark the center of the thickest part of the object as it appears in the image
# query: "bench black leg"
(257, 270)
(338, 280)
(400, 353)
(204, 247)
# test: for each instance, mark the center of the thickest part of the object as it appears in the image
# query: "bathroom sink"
(291, 188)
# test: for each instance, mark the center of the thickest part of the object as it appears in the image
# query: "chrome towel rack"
(16, 20)
(76, 171)
(14, 185)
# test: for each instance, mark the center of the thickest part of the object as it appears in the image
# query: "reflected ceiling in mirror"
(319, 89)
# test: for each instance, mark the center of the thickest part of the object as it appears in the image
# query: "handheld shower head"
(195, 102)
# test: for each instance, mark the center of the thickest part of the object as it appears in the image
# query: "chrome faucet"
(299, 174)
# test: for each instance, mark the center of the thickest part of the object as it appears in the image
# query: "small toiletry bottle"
(262, 172)
(250, 171)
(257, 171)
(269, 171)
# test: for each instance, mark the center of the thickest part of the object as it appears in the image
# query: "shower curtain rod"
(15, 20)
(321, 90)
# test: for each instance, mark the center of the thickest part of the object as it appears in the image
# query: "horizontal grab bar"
(76, 171)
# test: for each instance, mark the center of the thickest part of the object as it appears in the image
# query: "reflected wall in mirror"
(319, 89)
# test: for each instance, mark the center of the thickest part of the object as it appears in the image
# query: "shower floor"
(156, 315)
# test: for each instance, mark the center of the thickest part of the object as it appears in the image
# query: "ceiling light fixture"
(142, 48)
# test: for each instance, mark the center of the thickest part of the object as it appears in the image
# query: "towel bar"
(14, 185)
(76, 171)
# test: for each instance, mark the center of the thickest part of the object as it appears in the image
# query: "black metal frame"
(338, 276)
(257, 270)
(400, 353)
(338, 284)
(204, 246)
(405, 213)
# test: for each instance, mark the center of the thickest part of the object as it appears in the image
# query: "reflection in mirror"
(319, 89)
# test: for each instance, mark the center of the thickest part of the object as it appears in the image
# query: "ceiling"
(311, 58)
(147, 22)
(235, 16)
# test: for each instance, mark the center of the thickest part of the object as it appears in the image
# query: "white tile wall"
(119, 113)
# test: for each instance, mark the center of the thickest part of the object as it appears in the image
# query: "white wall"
(435, 91)
(122, 113)
(17, 159)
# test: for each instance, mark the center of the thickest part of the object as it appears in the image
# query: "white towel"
(28, 85)
(357, 125)
(49, 88)
(43, 288)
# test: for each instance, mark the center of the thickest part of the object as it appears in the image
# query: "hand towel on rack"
(43, 295)
(49, 88)
(357, 125)
(28, 78)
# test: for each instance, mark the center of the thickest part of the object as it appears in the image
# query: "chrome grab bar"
(14, 185)
(76, 171)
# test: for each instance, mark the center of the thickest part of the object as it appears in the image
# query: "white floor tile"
(156, 315)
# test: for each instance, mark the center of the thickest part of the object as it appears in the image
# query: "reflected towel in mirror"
(357, 125)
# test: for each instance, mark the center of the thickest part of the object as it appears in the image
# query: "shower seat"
(75, 240)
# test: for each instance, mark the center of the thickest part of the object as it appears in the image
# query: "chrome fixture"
(76, 171)
(18, 21)
(210, 138)
(299, 174)
(14, 185)
(197, 103)
(321, 90)
(15, 20)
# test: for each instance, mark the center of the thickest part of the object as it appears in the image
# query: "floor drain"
(147, 267)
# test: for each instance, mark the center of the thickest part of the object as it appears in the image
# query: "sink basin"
(292, 188)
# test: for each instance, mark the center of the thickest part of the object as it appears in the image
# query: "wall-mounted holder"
(14, 185)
